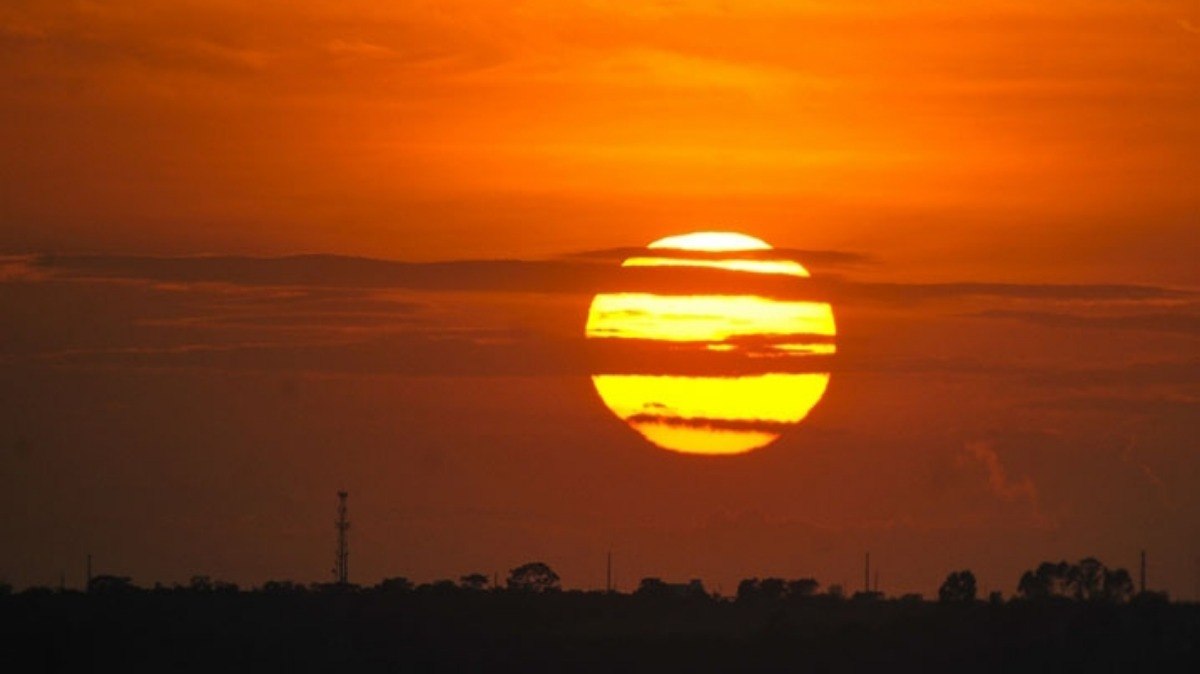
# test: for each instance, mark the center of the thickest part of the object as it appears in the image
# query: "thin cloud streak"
(556, 277)
(1184, 322)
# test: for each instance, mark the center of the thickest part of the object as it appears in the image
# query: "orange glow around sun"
(715, 415)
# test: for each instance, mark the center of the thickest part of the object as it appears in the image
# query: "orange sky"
(950, 134)
(1002, 201)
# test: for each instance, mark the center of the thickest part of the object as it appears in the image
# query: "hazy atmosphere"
(252, 254)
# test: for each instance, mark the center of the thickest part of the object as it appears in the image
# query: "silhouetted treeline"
(1066, 617)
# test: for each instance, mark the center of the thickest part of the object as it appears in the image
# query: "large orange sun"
(768, 355)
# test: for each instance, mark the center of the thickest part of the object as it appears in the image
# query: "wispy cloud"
(1001, 484)
(563, 275)
(1184, 321)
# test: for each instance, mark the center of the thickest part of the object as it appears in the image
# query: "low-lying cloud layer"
(961, 416)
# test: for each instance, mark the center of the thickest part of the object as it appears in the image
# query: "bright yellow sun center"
(726, 413)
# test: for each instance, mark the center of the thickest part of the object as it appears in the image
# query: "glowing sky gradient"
(252, 253)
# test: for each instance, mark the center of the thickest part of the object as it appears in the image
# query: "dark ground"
(171, 630)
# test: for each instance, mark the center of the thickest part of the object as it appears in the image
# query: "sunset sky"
(252, 253)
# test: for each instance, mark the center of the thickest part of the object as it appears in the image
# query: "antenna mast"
(342, 565)
(1142, 575)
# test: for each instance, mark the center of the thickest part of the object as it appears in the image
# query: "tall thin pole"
(1142, 575)
(867, 575)
(342, 566)
(608, 586)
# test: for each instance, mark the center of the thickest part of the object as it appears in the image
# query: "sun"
(752, 364)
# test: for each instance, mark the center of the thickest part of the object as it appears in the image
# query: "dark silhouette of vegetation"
(958, 587)
(105, 584)
(657, 588)
(282, 587)
(473, 581)
(1089, 580)
(775, 589)
(1077, 617)
(533, 577)
(395, 585)
(652, 587)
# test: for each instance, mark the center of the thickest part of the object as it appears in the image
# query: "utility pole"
(867, 575)
(342, 565)
(608, 584)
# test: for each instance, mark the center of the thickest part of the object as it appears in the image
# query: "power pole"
(342, 565)
(1142, 575)
(867, 575)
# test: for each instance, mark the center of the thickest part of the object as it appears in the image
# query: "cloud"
(1002, 485)
(1184, 321)
(22, 268)
(358, 49)
(355, 315)
(1150, 406)
(811, 259)
(556, 276)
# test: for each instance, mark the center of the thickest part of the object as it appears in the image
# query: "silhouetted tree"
(396, 585)
(959, 586)
(1089, 580)
(771, 589)
(652, 587)
(282, 587)
(200, 584)
(747, 589)
(802, 587)
(1047, 581)
(693, 589)
(5, 589)
(533, 577)
(473, 581)
(334, 588)
(442, 587)
(835, 591)
(1118, 586)
(105, 584)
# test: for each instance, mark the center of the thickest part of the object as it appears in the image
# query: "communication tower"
(341, 567)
